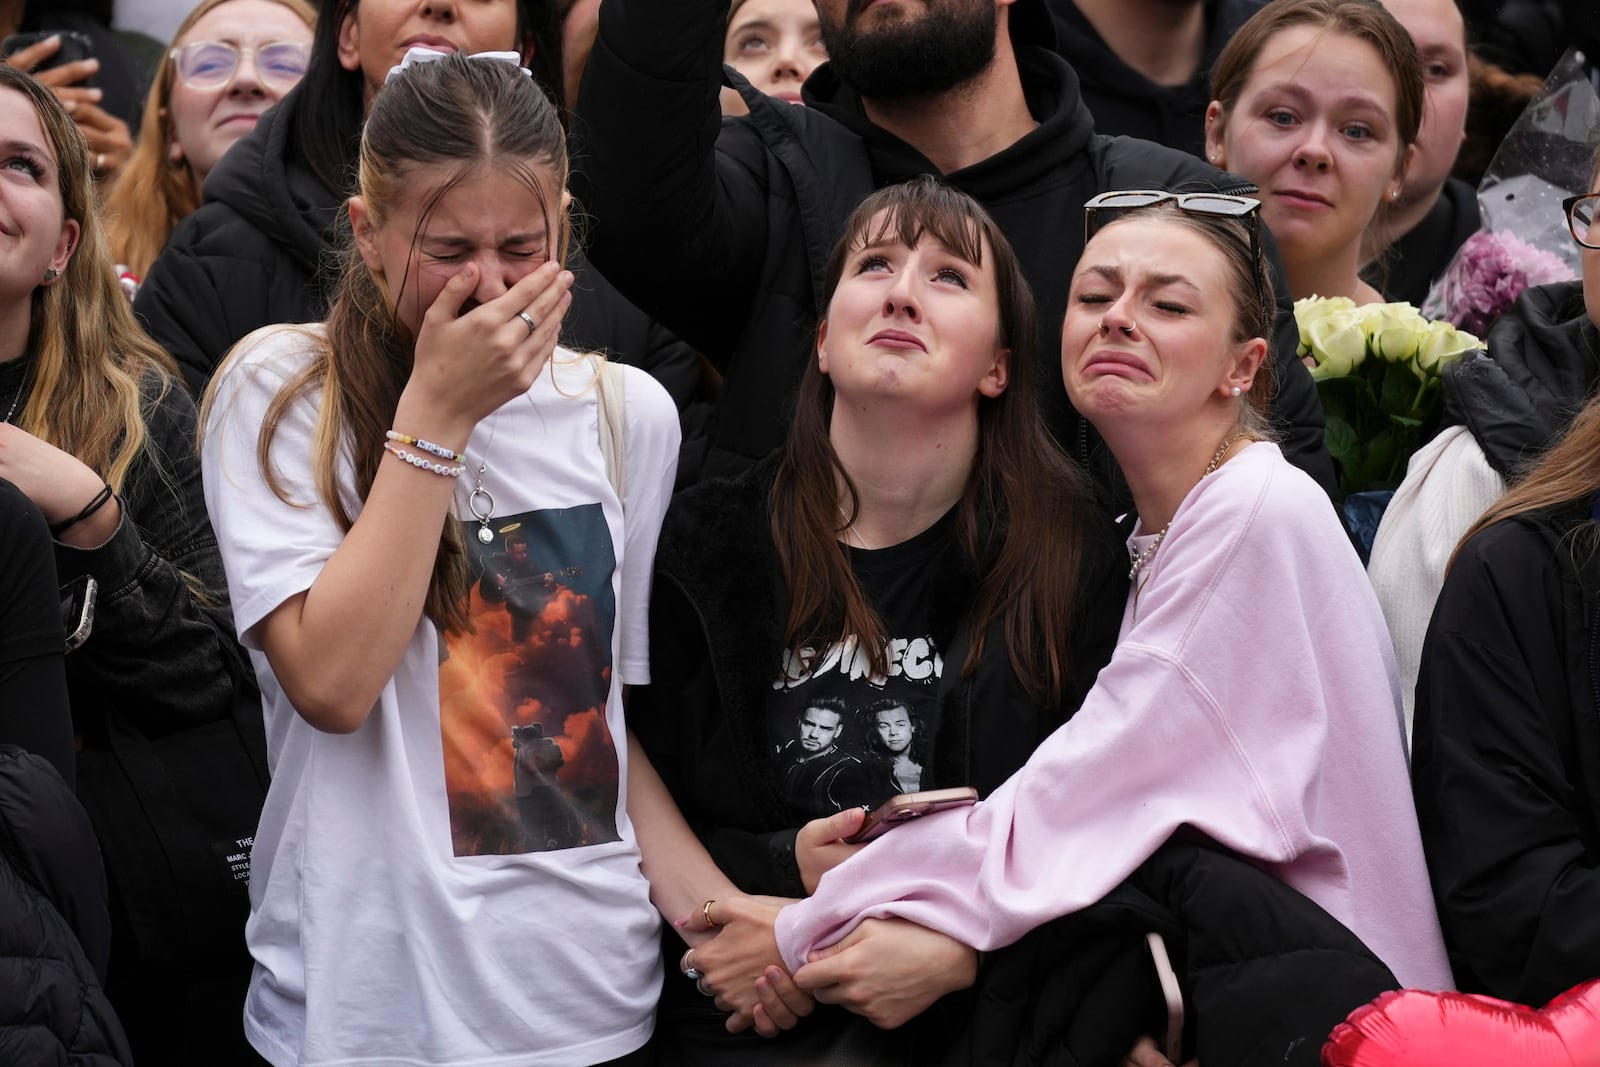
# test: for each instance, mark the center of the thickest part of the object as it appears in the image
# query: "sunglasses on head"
(1218, 205)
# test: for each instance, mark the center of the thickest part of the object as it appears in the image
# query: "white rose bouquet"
(1377, 369)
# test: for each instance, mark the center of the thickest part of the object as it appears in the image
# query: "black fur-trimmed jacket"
(716, 641)
(55, 929)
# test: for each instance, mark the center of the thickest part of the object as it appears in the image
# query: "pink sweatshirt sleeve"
(1211, 714)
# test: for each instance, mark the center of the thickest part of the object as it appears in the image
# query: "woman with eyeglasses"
(231, 61)
(1506, 761)
(1318, 102)
(258, 251)
(1230, 710)
(1503, 406)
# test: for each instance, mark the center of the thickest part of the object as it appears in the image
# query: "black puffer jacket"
(740, 216)
(1541, 365)
(263, 249)
(1506, 756)
(55, 931)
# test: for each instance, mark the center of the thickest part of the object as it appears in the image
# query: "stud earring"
(51, 274)
(1236, 391)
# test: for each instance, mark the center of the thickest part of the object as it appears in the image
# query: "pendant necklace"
(480, 501)
(1216, 461)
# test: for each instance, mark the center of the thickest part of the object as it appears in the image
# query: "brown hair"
(1365, 20)
(89, 356)
(1022, 491)
(464, 116)
(154, 193)
(1250, 288)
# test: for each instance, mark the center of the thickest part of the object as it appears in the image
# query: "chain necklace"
(14, 402)
(1216, 461)
(849, 530)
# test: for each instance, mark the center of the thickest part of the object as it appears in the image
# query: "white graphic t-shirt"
(456, 882)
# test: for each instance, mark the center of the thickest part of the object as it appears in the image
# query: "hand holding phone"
(910, 806)
(29, 52)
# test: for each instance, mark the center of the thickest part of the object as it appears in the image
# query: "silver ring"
(527, 320)
(99, 162)
(693, 975)
(700, 984)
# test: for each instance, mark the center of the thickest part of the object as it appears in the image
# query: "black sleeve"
(196, 305)
(157, 647)
(677, 225)
(1296, 408)
(34, 714)
(678, 721)
(1517, 887)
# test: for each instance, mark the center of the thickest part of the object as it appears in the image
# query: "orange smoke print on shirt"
(530, 763)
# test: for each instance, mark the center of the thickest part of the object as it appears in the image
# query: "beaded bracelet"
(99, 501)
(427, 446)
(421, 461)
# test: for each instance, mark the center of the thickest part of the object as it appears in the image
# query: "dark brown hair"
(1022, 492)
(463, 116)
(1365, 20)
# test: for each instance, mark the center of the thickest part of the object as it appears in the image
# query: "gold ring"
(705, 913)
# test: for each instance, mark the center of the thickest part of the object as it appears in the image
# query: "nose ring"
(1128, 329)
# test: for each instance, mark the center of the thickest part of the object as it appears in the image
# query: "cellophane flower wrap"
(1377, 368)
(1524, 240)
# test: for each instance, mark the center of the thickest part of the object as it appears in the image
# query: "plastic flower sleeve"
(1524, 239)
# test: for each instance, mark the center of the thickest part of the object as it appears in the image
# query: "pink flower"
(1488, 273)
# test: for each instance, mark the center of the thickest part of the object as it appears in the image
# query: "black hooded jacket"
(739, 216)
(263, 249)
(1541, 365)
(1124, 102)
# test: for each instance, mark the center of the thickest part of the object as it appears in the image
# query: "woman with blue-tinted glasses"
(231, 61)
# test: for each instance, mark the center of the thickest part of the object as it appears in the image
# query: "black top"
(842, 752)
(1414, 262)
(1506, 757)
(119, 75)
(1125, 102)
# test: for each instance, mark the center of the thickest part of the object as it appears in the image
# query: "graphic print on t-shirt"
(530, 764)
(842, 736)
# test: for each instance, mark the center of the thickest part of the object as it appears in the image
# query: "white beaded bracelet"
(421, 461)
(427, 446)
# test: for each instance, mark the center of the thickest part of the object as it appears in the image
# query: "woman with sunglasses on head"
(1318, 102)
(1228, 710)
(1506, 757)
(1504, 406)
(231, 60)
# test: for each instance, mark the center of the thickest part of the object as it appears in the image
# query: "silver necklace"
(850, 531)
(1216, 461)
(14, 402)
(480, 501)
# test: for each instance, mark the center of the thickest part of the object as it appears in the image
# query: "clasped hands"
(885, 970)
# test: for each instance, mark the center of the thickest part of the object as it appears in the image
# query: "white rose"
(1396, 330)
(1338, 342)
(1311, 308)
(1442, 343)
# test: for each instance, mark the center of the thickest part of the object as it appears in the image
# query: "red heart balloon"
(1416, 1028)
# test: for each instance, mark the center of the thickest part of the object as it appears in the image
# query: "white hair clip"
(428, 55)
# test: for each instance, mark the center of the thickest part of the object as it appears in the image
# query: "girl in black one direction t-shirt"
(911, 595)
